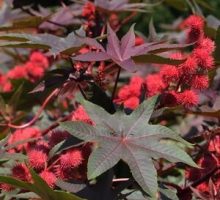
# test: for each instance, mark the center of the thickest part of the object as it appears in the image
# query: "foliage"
(109, 99)
(129, 138)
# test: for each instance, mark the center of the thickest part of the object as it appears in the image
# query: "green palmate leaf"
(30, 22)
(151, 58)
(129, 138)
(178, 4)
(54, 44)
(39, 187)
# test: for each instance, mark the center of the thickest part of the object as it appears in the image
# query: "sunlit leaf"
(130, 138)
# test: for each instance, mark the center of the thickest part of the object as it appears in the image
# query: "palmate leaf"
(130, 138)
(54, 44)
(124, 52)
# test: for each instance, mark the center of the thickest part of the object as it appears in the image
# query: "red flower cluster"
(177, 84)
(129, 94)
(81, 115)
(5, 84)
(32, 70)
(88, 10)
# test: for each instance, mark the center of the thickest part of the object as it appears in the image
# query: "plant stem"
(116, 83)
(49, 21)
(120, 180)
(47, 100)
(82, 92)
(126, 20)
(55, 124)
(202, 179)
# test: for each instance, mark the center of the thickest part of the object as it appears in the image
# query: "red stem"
(202, 179)
(56, 124)
(47, 100)
(116, 83)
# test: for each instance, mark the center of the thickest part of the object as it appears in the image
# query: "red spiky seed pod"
(187, 98)
(57, 136)
(23, 134)
(193, 21)
(169, 74)
(21, 172)
(154, 84)
(204, 60)
(37, 159)
(195, 25)
(71, 159)
(200, 82)
(207, 44)
(49, 177)
(189, 66)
